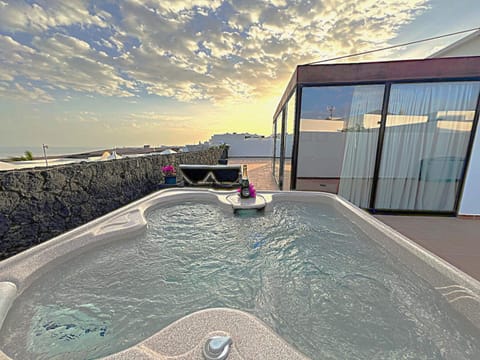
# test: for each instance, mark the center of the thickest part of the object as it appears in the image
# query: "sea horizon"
(7, 152)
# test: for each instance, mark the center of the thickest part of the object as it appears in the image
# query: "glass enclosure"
(427, 132)
(427, 129)
(288, 141)
(283, 127)
(389, 136)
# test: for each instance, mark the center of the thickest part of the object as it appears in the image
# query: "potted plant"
(170, 174)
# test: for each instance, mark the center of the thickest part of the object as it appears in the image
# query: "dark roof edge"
(381, 71)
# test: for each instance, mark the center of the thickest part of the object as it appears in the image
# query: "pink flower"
(168, 170)
(253, 192)
(251, 187)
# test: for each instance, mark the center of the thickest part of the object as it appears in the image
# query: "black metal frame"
(296, 138)
(373, 192)
(282, 148)
(379, 149)
(274, 157)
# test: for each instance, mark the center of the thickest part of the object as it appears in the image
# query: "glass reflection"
(425, 146)
(338, 138)
(288, 139)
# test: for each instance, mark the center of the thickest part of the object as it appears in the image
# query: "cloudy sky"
(133, 72)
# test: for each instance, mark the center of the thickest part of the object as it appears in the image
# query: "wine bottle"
(244, 184)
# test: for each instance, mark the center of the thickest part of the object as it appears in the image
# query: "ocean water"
(37, 150)
(303, 269)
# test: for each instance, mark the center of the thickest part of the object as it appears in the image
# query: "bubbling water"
(304, 269)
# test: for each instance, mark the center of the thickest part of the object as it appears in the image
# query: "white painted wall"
(470, 201)
(245, 145)
(320, 154)
(248, 145)
(467, 46)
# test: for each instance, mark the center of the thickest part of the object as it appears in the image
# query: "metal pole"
(45, 146)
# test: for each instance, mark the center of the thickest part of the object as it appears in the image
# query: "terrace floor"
(453, 239)
(259, 172)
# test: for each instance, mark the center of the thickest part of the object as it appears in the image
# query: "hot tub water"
(304, 269)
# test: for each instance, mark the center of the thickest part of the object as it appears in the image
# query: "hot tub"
(288, 275)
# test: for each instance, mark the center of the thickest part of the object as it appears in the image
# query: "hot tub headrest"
(211, 175)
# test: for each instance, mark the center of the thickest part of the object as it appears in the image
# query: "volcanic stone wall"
(38, 204)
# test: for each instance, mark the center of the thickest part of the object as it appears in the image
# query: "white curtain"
(426, 137)
(361, 129)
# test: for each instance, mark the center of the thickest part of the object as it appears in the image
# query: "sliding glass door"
(394, 146)
(339, 128)
(361, 129)
(427, 132)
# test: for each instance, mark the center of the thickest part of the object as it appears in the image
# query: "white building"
(245, 144)
(466, 46)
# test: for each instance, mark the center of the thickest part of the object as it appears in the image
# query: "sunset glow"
(101, 73)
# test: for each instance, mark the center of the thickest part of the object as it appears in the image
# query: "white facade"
(245, 144)
(470, 201)
(467, 46)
